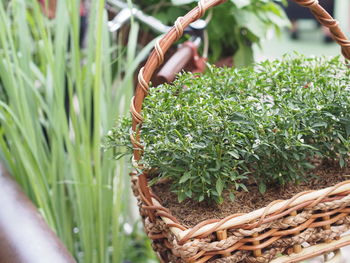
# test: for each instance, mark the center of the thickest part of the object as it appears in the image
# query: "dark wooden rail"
(24, 235)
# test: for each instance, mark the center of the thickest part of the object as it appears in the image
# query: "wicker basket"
(277, 233)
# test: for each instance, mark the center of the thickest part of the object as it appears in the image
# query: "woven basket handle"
(156, 58)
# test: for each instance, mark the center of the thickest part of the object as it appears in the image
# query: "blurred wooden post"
(257, 253)
(222, 235)
(296, 248)
(327, 227)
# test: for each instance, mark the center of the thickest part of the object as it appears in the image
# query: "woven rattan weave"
(276, 233)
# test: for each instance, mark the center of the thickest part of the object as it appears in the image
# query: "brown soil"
(190, 213)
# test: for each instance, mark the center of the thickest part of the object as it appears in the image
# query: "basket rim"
(316, 250)
(279, 207)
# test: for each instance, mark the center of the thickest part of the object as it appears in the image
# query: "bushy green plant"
(232, 126)
(234, 26)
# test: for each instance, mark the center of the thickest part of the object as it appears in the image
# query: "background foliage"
(57, 102)
(234, 27)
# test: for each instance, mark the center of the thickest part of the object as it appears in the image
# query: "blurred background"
(310, 38)
(67, 72)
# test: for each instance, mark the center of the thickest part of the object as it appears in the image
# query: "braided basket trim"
(200, 251)
(327, 219)
(315, 197)
(315, 251)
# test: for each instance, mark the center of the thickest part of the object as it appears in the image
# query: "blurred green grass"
(55, 153)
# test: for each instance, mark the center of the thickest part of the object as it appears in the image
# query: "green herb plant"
(230, 127)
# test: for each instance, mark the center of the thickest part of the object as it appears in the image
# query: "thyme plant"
(230, 127)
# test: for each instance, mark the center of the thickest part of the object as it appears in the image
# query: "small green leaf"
(309, 165)
(201, 198)
(185, 177)
(188, 193)
(232, 196)
(219, 200)
(181, 197)
(319, 124)
(219, 186)
(243, 187)
(234, 154)
(262, 188)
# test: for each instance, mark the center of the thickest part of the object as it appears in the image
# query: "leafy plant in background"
(142, 252)
(52, 150)
(231, 127)
(235, 26)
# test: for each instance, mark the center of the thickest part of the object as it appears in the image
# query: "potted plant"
(281, 128)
